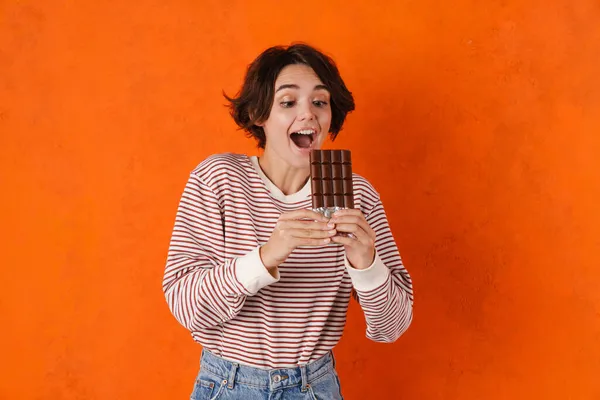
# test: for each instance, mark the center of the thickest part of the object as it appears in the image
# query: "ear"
(256, 123)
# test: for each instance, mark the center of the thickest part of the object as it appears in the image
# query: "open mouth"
(304, 138)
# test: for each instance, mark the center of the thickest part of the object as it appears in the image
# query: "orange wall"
(478, 122)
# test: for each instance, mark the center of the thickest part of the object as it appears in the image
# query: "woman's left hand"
(360, 247)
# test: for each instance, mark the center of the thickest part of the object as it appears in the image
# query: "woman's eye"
(320, 103)
(287, 104)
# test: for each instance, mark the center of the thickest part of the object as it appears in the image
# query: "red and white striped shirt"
(217, 287)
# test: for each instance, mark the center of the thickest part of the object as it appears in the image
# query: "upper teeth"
(306, 132)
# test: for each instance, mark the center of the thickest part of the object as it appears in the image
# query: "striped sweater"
(217, 287)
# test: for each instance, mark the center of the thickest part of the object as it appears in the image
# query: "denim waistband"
(231, 373)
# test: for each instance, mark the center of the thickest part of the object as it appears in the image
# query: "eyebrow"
(294, 86)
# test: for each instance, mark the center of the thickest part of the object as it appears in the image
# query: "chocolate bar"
(331, 175)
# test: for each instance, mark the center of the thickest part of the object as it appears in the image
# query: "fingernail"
(330, 225)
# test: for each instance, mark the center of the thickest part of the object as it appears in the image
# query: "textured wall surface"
(478, 122)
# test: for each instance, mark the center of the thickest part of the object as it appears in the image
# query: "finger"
(305, 213)
(346, 241)
(348, 211)
(355, 230)
(311, 233)
(359, 218)
(314, 225)
(353, 219)
(356, 220)
(310, 242)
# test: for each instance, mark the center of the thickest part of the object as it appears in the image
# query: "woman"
(262, 281)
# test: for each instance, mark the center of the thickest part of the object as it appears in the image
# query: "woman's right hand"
(294, 229)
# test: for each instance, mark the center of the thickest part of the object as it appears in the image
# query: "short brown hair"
(255, 99)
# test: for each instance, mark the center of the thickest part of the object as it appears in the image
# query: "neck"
(286, 177)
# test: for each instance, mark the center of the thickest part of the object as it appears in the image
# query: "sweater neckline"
(300, 195)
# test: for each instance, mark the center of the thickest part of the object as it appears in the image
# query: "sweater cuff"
(365, 280)
(252, 274)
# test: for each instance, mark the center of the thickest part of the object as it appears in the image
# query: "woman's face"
(300, 117)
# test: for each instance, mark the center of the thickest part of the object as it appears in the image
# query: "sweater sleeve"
(385, 288)
(202, 288)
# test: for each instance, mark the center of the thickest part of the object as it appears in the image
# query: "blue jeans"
(220, 379)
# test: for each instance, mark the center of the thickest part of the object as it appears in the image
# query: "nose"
(305, 112)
